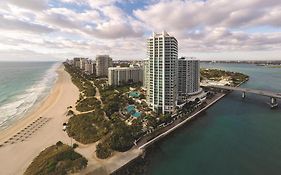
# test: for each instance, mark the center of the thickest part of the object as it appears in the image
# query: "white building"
(188, 78)
(76, 62)
(123, 75)
(162, 50)
(82, 63)
(146, 74)
(103, 62)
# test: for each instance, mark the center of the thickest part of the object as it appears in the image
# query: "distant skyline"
(44, 30)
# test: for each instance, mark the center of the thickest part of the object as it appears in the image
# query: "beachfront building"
(103, 62)
(188, 78)
(124, 75)
(82, 63)
(76, 62)
(162, 50)
(89, 67)
(146, 75)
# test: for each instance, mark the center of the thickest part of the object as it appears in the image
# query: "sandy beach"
(23, 141)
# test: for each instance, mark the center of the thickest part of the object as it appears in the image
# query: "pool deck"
(131, 108)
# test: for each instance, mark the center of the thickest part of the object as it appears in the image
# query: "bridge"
(272, 95)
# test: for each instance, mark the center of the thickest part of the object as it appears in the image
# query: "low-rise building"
(124, 75)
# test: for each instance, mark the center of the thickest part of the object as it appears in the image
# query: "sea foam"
(20, 104)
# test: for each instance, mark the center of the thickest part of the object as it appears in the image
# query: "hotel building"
(76, 62)
(82, 63)
(103, 62)
(188, 78)
(146, 74)
(162, 50)
(89, 67)
(123, 75)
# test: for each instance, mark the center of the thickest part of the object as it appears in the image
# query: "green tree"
(103, 150)
(122, 137)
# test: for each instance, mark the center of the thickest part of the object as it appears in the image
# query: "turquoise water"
(234, 137)
(132, 110)
(134, 94)
(137, 114)
(22, 84)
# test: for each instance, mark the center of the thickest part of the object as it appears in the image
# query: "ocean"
(233, 137)
(22, 86)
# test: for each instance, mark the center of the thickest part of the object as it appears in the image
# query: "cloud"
(186, 15)
(88, 27)
(7, 23)
(30, 4)
(222, 40)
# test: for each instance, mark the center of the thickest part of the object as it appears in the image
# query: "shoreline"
(143, 148)
(147, 144)
(42, 127)
(212, 102)
(35, 107)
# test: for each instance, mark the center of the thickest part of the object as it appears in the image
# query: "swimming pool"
(134, 94)
(131, 109)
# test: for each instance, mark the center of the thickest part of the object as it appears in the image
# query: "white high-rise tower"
(162, 50)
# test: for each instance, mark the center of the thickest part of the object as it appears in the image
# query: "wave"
(23, 103)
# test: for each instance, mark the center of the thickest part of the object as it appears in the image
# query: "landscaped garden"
(57, 159)
(89, 127)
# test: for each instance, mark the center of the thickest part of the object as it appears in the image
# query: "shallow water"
(22, 84)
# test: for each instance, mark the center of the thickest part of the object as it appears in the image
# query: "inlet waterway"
(234, 137)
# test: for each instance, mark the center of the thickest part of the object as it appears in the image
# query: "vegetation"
(88, 128)
(115, 98)
(107, 121)
(217, 75)
(87, 101)
(57, 159)
(122, 137)
(102, 121)
(103, 150)
(75, 145)
(88, 104)
(69, 112)
(76, 78)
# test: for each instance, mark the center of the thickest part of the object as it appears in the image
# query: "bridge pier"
(243, 95)
(273, 102)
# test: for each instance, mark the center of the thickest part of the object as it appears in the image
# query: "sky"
(44, 30)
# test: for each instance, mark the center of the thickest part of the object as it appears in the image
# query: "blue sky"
(212, 29)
